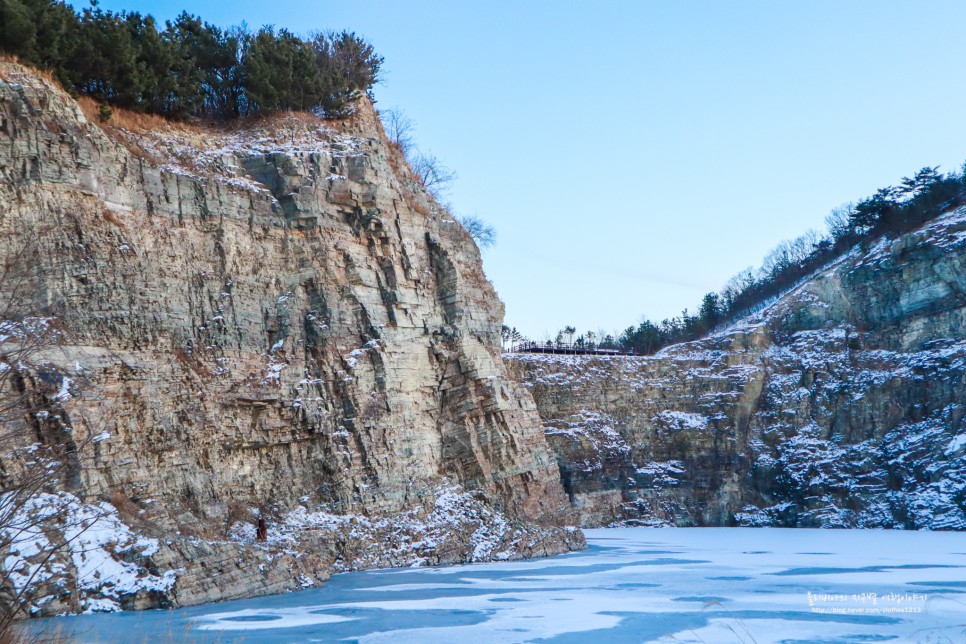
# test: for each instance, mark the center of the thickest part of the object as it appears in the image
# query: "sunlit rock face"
(281, 343)
(841, 404)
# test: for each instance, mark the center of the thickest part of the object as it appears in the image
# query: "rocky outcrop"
(841, 404)
(280, 356)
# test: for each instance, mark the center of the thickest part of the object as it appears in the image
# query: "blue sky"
(634, 155)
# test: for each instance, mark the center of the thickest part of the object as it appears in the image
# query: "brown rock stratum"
(280, 354)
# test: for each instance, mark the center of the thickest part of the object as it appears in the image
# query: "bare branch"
(482, 233)
(434, 176)
(399, 129)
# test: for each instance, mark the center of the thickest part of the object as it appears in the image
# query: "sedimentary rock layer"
(277, 350)
(841, 404)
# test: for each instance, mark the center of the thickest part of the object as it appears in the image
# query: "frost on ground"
(61, 555)
(56, 547)
(455, 526)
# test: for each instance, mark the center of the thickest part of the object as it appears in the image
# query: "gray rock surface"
(841, 404)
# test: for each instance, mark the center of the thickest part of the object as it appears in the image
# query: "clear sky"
(634, 155)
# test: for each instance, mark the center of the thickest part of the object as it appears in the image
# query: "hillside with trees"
(890, 212)
(187, 67)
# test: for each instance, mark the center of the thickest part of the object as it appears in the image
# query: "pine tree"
(190, 67)
(158, 89)
(347, 66)
(710, 312)
(282, 72)
(920, 182)
(18, 31)
(103, 63)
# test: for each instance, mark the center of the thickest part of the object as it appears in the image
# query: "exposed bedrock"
(279, 355)
(838, 405)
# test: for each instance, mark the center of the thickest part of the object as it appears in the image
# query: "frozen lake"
(631, 585)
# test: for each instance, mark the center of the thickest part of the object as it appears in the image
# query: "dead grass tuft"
(237, 512)
(133, 122)
(137, 122)
(10, 59)
(125, 506)
(111, 217)
(18, 633)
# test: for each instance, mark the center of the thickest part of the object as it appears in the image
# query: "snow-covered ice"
(630, 585)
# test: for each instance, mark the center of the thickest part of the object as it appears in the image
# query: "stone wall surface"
(279, 355)
(841, 404)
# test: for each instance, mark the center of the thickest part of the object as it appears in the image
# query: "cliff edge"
(840, 404)
(278, 357)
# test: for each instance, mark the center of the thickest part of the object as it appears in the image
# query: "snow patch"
(681, 420)
(57, 536)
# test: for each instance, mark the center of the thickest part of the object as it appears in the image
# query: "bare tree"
(38, 452)
(482, 233)
(429, 170)
(399, 129)
(432, 174)
(789, 253)
(839, 220)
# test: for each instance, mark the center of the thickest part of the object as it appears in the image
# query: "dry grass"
(13, 60)
(89, 107)
(142, 122)
(237, 512)
(420, 208)
(272, 121)
(125, 506)
(110, 217)
(197, 133)
(137, 122)
(130, 121)
(18, 634)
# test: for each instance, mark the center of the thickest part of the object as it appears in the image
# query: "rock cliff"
(279, 358)
(841, 404)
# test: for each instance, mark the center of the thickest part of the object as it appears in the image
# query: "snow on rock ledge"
(839, 404)
(271, 315)
(454, 526)
(55, 541)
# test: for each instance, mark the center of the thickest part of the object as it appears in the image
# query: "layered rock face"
(839, 405)
(280, 356)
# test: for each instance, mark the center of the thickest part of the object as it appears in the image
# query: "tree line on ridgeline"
(190, 68)
(891, 211)
(187, 67)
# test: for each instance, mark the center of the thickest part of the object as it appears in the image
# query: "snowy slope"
(840, 404)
